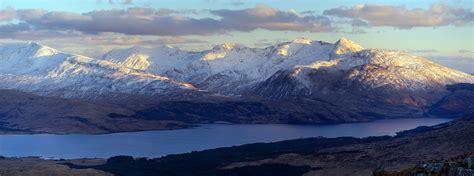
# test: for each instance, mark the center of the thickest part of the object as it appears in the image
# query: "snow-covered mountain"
(227, 68)
(298, 68)
(231, 68)
(33, 67)
(296, 81)
(369, 81)
(372, 69)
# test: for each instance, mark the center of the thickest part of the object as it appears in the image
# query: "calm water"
(159, 143)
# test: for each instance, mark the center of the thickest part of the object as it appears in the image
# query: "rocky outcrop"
(457, 166)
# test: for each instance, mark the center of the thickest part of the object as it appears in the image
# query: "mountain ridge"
(39, 69)
(242, 65)
(366, 83)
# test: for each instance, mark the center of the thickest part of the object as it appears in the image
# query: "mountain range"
(300, 81)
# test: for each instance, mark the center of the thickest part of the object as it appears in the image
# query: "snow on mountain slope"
(227, 67)
(27, 58)
(231, 68)
(40, 69)
(392, 69)
(404, 71)
(373, 82)
(156, 60)
(299, 67)
(343, 46)
(381, 82)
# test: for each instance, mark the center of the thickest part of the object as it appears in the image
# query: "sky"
(442, 30)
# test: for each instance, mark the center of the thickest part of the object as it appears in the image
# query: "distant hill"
(28, 113)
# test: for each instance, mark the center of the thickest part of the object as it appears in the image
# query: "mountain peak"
(27, 50)
(35, 44)
(225, 46)
(39, 50)
(303, 40)
(344, 45)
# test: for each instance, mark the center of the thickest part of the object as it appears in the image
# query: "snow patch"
(343, 46)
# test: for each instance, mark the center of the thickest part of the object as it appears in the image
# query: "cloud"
(237, 3)
(112, 2)
(164, 22)
(7, 14)
(36, 23)
(134, 21)
(127, 2)
(403, 18)
(136, 40)
(226, 2)
(265, 17)
(358, 23)
(308, 12)
(24, 31)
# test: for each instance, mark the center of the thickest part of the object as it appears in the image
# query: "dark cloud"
(166, 22)
(308, 12)
(403, 18)
(358, 23)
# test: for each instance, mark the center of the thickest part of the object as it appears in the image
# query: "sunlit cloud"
(124, 23)
(403, 18)
(265, 17)
(7, 14)
(163, 22)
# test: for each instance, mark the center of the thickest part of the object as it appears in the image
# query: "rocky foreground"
(414, 151)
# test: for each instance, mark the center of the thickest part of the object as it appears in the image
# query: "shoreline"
(156, 138)
(195, 125)
(341, 155)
